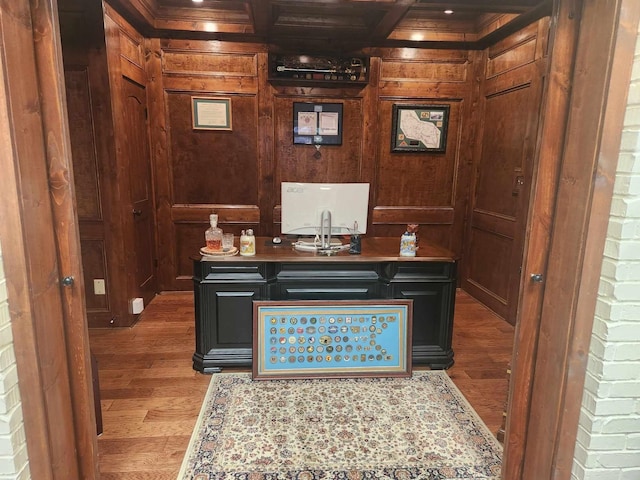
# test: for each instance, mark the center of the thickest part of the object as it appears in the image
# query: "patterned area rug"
(350, 428)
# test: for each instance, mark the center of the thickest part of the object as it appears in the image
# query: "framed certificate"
(211, 113)
(317, 123)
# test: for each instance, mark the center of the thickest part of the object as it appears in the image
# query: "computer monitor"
(303, 204)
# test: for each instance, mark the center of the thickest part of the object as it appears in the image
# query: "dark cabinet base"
(226, 288)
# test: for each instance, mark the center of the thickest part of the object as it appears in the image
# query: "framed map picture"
(419, 128)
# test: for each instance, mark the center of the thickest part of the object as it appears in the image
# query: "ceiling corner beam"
(259, 13)
(391, 20)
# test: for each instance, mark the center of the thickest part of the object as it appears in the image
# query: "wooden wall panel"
(239, 173)
(83, 143)
(94, 266)
(213, 166)
(425, 188)
(510, 98)
(199, 172)
(93, 153)
(337, 163)
(209, 64)
(490, 265)
(427, 179)
(189, 237)
(502, 151)
(513, 52)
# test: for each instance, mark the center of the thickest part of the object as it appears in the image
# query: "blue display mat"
(331, 338)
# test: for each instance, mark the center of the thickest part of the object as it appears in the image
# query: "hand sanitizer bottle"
(247, 243)
(408, 245)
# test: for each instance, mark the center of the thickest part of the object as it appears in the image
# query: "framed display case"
(333, 338)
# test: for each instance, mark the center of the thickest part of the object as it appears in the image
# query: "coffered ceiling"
(339, 25)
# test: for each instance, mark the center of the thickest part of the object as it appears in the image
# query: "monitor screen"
(303, 204)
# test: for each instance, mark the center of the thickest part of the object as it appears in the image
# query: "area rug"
(350, 429)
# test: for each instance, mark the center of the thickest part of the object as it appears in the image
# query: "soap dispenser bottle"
(247, 243)
(408, 244)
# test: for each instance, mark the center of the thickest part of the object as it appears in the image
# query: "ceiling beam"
(391, 20)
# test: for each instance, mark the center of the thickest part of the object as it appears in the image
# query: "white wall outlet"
(136, 305)
(99, 286)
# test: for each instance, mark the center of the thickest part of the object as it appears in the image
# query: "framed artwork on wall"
(419, 128)
(317, 123)
(211, 113)
(332, 338)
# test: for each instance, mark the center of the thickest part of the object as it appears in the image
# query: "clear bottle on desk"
(213, 235)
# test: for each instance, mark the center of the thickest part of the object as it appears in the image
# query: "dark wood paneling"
(510, 98)
(427, 179)
(337, 163)
(210, 166)
(505, 128)
(96, 179)
(83, 143)
(133, 254)
(515, 51)
(209, 64)
(94, 266)
(487, 269)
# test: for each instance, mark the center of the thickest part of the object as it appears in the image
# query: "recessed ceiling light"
(197, 1)
(448, 12)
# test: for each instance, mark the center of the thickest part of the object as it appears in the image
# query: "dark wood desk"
(225, 288)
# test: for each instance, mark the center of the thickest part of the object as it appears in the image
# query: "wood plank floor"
(151, 396)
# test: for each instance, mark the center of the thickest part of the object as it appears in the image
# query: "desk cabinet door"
(432, 302)
(228, 310)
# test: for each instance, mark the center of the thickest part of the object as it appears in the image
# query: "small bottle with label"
(213, 235)
(355, 242)
(408, 245)
(247, 243)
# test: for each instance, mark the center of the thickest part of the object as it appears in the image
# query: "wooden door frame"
(577, 159)
(41, 245)
(538, 453)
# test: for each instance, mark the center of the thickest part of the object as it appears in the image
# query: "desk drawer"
(238, 271)
(419, 271)
(328, 271)
(327, 290)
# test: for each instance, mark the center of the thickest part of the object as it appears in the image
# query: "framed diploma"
(317, 123)
(211, 113)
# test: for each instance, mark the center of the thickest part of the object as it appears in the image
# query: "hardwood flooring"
(151, 396)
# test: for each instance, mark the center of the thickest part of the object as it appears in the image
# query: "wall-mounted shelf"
(305, 70)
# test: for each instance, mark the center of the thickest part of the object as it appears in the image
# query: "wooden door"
(40, 242)
(138, 160)
(503, 174)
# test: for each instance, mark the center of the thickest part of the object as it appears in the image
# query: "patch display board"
(332, 338)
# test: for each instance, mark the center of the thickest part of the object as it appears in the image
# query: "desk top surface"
(374, 249)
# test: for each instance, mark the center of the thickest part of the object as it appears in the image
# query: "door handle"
(68, 281)
(137, 213)
(537, 277)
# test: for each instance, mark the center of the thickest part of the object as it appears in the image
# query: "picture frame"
(211, 113)
(419, 128)
(332, 338)
(317, 123)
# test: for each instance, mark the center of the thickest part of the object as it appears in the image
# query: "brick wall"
(13, 448)
(608, 446)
